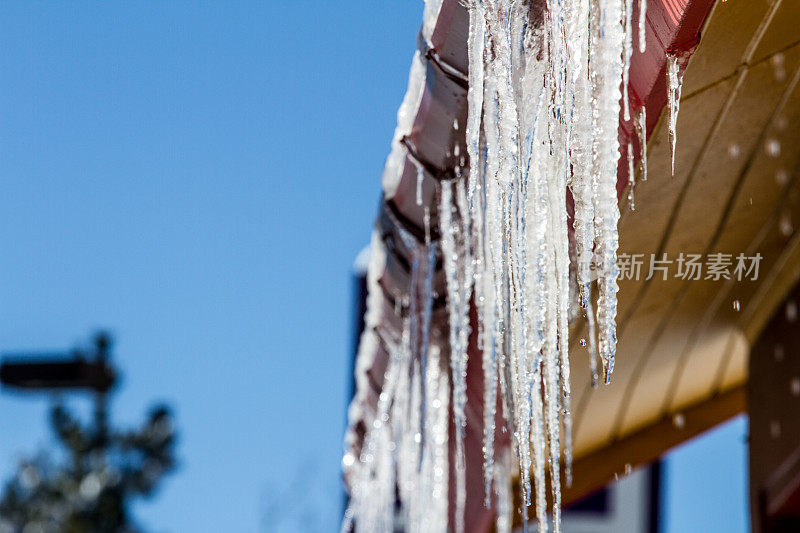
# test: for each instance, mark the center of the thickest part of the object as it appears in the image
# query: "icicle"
(627, 52)
(543, 110)
(420, 179)
(591, 328)
(642, 26)
(430, 504)
(505, 496)
(427, 223)
(641, 134)
(549, 114)
(674, 83)
(373, 495)
(422, 464)
(606, 73)
(631, 176)
(475, 49)
(457, 273)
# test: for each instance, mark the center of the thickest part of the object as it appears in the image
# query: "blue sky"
(704, 487)
(198, 177)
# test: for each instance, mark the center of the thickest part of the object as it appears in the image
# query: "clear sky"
(198, 177)
(704, 487)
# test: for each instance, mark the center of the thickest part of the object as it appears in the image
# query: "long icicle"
(674, 85)
(567, 59)
(545, 81)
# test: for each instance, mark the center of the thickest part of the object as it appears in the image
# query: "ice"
(642, 26)
(475, 50)
(627, 51)
(457, 267)
(631, 176)
(545, 120)
(548, 85)
(405, 448)
(591, 327)
(543, 113)
(674, 84)
(429, 509)
(420, 179)
(429, 16)
(641, 134)
(427, 224)
(373, 475)
(505, 495)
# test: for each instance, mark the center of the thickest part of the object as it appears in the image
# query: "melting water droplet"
(786, 225)
(794, 386)
(778, 352)
(736, 305)
(782, 177)
(583, 342)
(773, 147)
(679, 421)
(778, 68)
(733, 150)
(791, 311)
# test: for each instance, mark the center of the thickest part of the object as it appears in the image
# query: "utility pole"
(74, 370)
(89, 493)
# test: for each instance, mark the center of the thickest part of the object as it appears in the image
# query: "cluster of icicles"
(544, 108)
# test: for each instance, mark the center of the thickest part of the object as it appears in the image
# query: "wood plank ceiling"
(683, 344)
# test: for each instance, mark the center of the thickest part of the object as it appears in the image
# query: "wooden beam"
(606, 464)
(603, 465)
